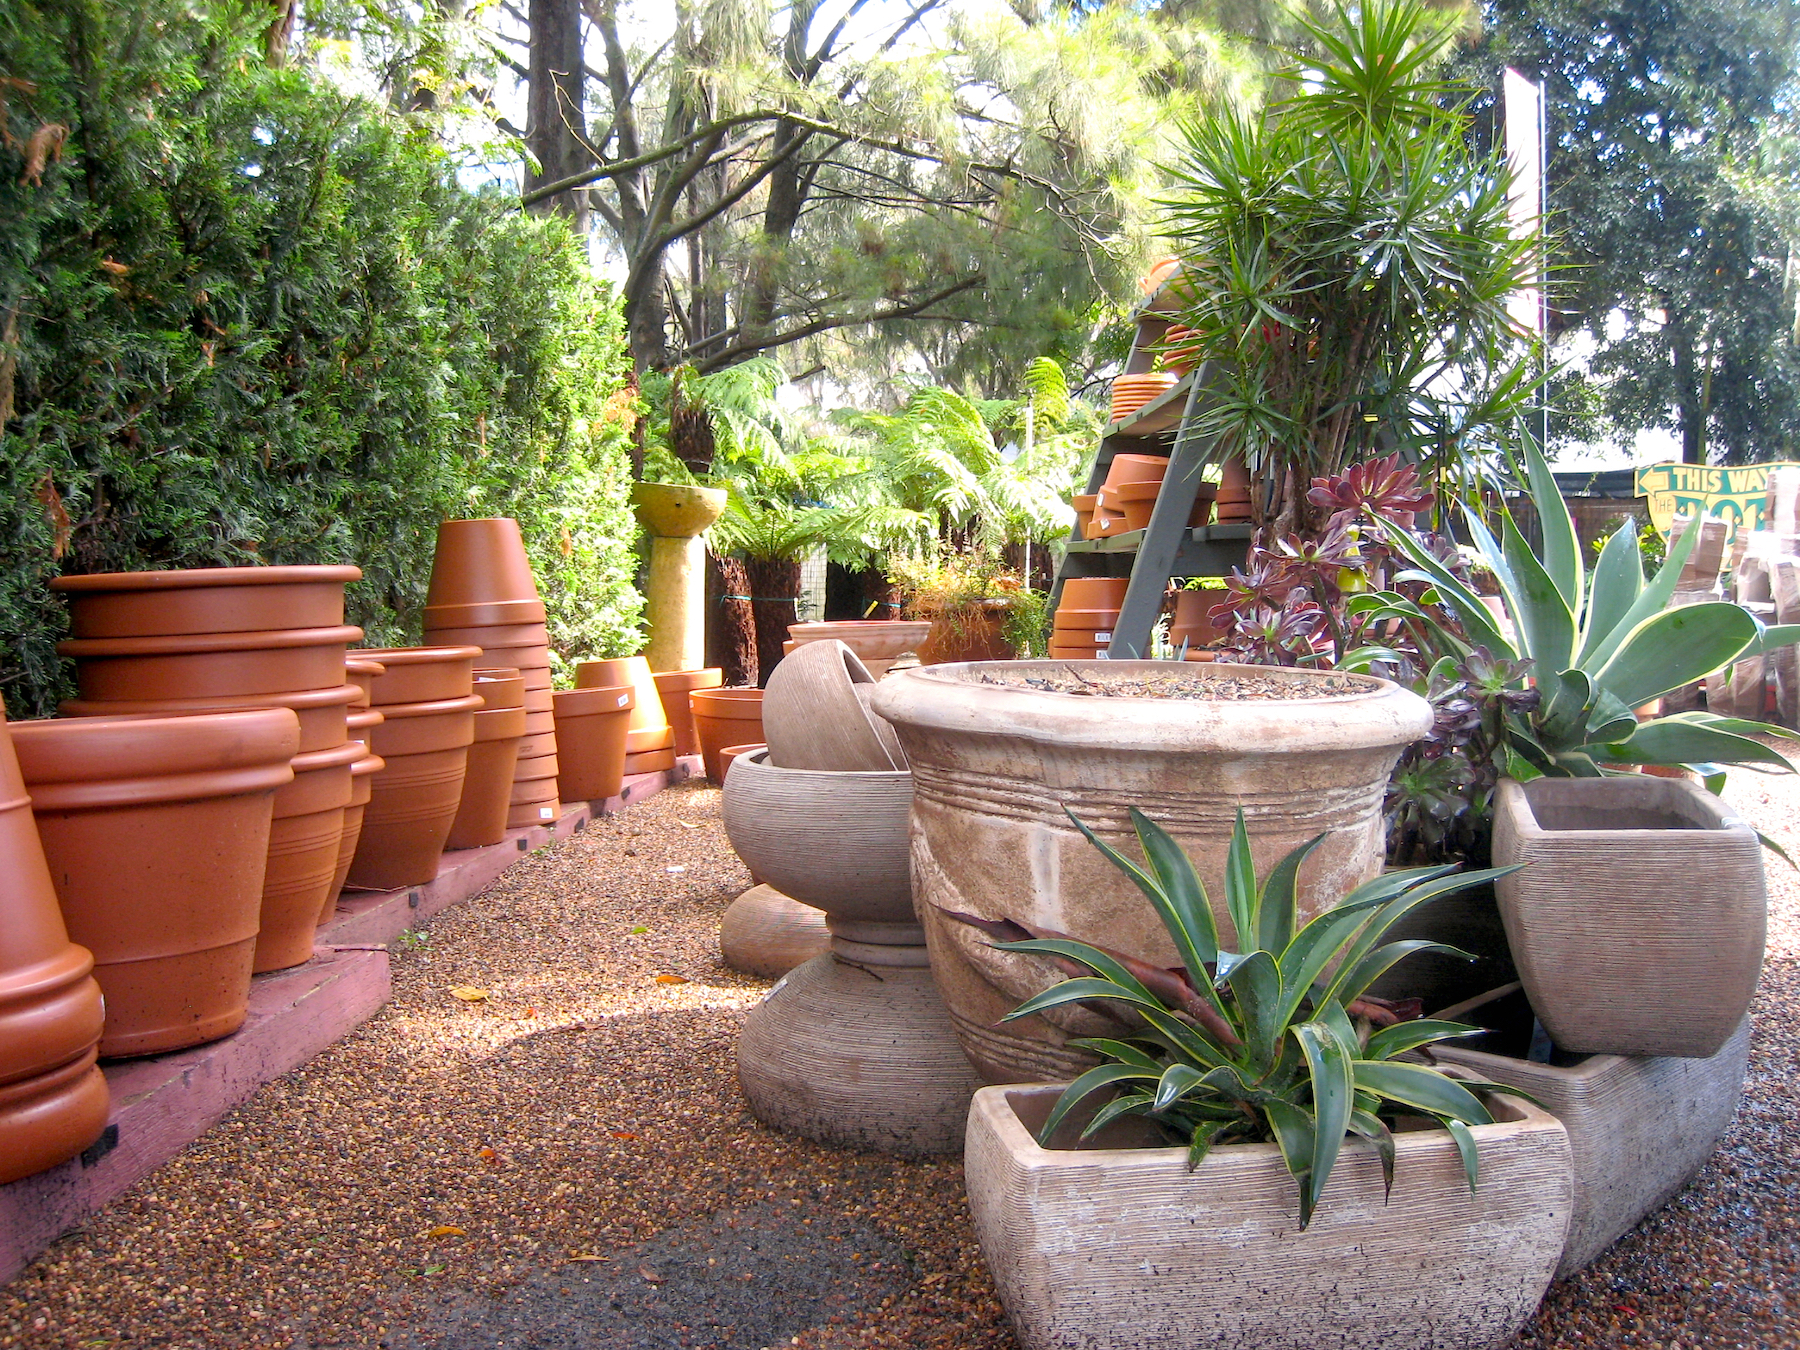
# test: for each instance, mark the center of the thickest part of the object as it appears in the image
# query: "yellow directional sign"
(1734, 494)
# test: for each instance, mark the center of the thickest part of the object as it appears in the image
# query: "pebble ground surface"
(567, 1162)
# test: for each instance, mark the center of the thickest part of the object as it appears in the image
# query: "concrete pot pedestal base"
(766, 933)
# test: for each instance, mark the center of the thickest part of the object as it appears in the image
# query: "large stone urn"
(998, 752)
(675, 596)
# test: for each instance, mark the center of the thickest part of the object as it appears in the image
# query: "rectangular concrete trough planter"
(1115, 1247)
(1639, 1127)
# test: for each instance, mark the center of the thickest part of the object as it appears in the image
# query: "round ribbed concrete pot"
(765, 933)
(1639, 1127)
(205, 600)
(203, 665)
(1115, 1246)
(1637, 924)
(415, 796)
(814, 714)
(994, 766)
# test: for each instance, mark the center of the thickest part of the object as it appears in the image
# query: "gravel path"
(567, 1163)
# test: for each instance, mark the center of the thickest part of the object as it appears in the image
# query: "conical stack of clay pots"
(427, 702)
(53, 1100)
(483, 594)
(593, 727)
(487, 786)
(211, 640)
(650, 743)
(1131, 392)
(1085, 615)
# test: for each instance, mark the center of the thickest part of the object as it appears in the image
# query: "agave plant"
(1277, 1041)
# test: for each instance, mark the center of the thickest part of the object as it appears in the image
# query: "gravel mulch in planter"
(1242, 684)
(567, 1162)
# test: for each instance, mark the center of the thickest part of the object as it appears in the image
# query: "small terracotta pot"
(730, 753)
(483, 615)
(647, 712)
(487, 785)
(421, 674)
(424, 728)
(415, 797)
(322, 712)
(1085, 620)
(870, 639)
(362, 773)
(480, 562)
(499, 687)
(1136, 469)
(533, 813)
(304, 842)
(1094, 592)
(673, 688)
(534, 744)
(650, 761)
(53, 1100)
(490, 637)
(1138, 501)
(361, 672)
(537, 701)
(1233, 501)
(205, 600)
(726, 717)
(591, 734)
(173, 813)
(1191, 622)
(1084, 653)
(1132, 392)
(206, 664)
(1084, 504)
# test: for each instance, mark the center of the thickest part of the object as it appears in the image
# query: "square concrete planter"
(1639, 1128)
(1115, 1247)
(1637, 923)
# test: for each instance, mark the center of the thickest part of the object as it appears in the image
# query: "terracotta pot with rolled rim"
(726, 717)
(673, 688)
(813, 719)
(729, 755)
(421, 674)
(591, 727)
(647, 708)
(362, 773)
(1094, 592)
(202, 665)
(415, 797)
(487, 784)
(1084, 504)
(322, 712)
(480, 562)
(175, 815)
(361, 672)
(53, 1099)
(1136, 469)
(1233, 501)
(205, 600)
(489, 636)
(304, 842)
(1084, 620)
(484, 615)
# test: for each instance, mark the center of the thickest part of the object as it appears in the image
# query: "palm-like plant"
(1277, 1040)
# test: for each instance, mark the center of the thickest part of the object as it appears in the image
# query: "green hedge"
(249, 319)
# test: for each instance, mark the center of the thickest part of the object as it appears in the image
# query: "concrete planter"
(814, 714)
(1121, 1246)
(1637, 925)
(1639, 1127)
(994, 766)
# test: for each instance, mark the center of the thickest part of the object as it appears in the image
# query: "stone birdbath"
(676, 515)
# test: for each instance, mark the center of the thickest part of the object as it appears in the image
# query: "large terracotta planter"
(1096, 593)
(1115, 1247)
(484, 614)
(1637, 923)
(870, 639)
(673, 688)
(322, 712)
(725, 717)
(205, 600)
(53, 1100)
(415, 797)
(203, 665)
(362, 774)
(1639, 1127)
(591, 727)
(493, 756)
(994, 766)
(361, 672)
(421, 674)
(481, 562)
(813, 717)
(304, 842)
(158, 834)
(974, 633)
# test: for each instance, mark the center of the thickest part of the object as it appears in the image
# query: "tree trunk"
(774, 593)
(732, 639)
(280, 31)
(555, 117)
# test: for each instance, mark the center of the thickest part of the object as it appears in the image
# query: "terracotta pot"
(538, 708)
(499, 687)
(1136, 469)
(1233, 500)
(1137, 501)
(1637, 926)
(870, 639)
(1639, 1127)
(491, 637)
(725, 717)
(1107, 524)
(647, 710)
(591, 726)
(1084, 504)
(1079, 652)
(537, 678)
(1085, 620)
(1132, 392)
(421, 674)
(483, 615)
(322, 712)
(813, 718)
(673, 688)
(304, 842)
(205, 600)
(206, 664)
(480, 562)
(415, 797)
(533, 813)
(493, 757)
(650, 761)
(644, 742)
(1103, 593)
(1190, 620)
(173, 813)
(1179, 352)
(996, 765)
(53, 1100)
(362, 672)
(1116, 1246)
(362, 774)
(533, 744)
(729, 755)
(976, 634)
(765, 933)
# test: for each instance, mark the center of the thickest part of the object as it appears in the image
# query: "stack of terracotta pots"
(1131, 392)
(1233, 505)
(1085, 504)
(483, 594)
(650, 741)
(1127, 498)
(1180, 352)
(212, 640)
(1191, 628)
(487, 785)
(593, 727)
(1085, 615)
(427, 701)
(675, 688)
(359, 726)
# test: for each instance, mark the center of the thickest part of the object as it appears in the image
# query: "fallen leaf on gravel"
(468, 993)
(687, 824)
(650, 1275)
(446, 1230)
(586, 1256)
(622, 1134)
(488, 1155)
(671, 979)
(641, 929)
(433, 1270)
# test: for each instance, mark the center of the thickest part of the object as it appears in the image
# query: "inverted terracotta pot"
(361, 672)
(205, 600)
(673, 688)
(1085, 620)
(591, 735)
(483, 615)
(533, 813)
(511, 636)
(726, 717)
(1101, 593)
(487, 785)
(500, 687)
(729, 755)
(421, 674)
(175, 814)
(415, 797)
(812, 717)
(1233, 501)
(361, 774)
(538, 703)
(527, 791)
(53, 1100)
(537, 678)
(1084, 504)
(646, 742)
(322, 712)
(533, 744)
(304, 843)
(648, 761)
(647, 712)
(207, 664)
(480, 562)
(870, 639)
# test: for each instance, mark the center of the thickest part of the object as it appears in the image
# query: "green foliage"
(1272, 1038)
(258, 321)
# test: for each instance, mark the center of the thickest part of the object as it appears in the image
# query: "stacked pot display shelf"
(878, 643)
(592, 729)
(487, 782)
(766, 933)
(53, 1099)
(726, 717)
(852, 1047)
(426, 698)
(1637, 924)
(673, 688)
(1639, 1128)
(158, 834)
(483, 594)
(1117, 1245)
(650, 740)
(999, 750)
